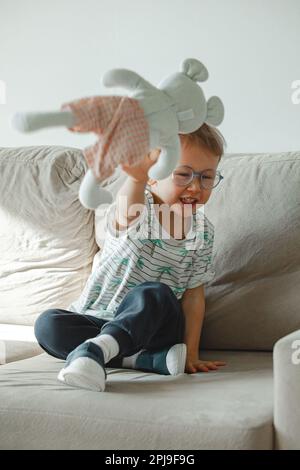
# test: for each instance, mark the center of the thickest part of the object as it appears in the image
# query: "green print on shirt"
(206, 259)
(95, 291)
(116, 281)
(178, 290)
(157, 242)
(184, 251)
(140, 262)
(131, 284)
(95, 294)
(89, 304)
(204, 236)
(165, 269)
(208, 239)
(121, 261)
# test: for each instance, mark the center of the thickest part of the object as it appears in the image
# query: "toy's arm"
(167, 161)
(27, 122)
(91, 194)
(127, 79)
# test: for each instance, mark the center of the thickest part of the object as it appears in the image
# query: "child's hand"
(139, 172)
(193, 365)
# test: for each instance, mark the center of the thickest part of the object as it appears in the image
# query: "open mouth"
(188, 200)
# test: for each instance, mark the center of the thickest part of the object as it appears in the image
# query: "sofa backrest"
(47, 241)
(254, 298)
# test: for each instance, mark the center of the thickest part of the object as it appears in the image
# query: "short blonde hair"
(208, 137)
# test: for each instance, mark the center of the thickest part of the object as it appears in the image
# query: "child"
(143, 306)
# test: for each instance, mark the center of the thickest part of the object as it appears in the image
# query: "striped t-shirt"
(146, 252)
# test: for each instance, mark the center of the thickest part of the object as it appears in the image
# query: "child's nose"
(195, 184)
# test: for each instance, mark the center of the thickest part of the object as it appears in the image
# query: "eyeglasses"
(184, 175)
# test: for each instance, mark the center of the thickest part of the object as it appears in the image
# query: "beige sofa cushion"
(17, 342)
(228, 409)
(255, 298)
(47, 241)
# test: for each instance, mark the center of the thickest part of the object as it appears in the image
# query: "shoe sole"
(94, 380)
(176, 359)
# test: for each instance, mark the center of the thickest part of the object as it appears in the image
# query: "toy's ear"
(215, 111)
(195, 70)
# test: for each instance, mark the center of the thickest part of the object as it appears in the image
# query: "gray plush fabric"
(254, 299)
(47, 241)
(228, 409)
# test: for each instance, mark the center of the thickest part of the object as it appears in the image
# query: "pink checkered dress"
(121, 127)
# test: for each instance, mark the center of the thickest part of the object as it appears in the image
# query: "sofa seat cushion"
(17, 342)
(228, 409)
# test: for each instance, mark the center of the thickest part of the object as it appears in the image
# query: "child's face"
(166, 191)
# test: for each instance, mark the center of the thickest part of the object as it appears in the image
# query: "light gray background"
(55, 51)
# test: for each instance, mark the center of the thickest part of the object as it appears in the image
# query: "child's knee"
(46, 324)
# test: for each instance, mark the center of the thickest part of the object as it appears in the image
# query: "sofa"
(50, 244)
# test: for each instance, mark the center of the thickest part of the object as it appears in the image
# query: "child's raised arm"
(132, 191)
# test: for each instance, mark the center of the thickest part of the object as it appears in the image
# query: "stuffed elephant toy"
(128, 127)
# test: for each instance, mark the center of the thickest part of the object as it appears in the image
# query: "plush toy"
(128, 127)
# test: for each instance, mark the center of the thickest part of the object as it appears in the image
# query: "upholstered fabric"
(228, 409)
(47, 250)
(47, 239)
(254, 298)
(17, 342)
(287, 392)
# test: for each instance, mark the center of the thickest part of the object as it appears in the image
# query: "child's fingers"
(154, 154)
(190, 369)
(202, 368)
(211, 365)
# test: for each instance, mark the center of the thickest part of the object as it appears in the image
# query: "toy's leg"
(27, 122)
(167, 161)
(91, 195)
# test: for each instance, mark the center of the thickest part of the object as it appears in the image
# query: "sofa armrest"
(287, 392)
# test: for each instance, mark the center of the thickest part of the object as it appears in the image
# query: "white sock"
(83, 372)
(108, 344)
(130, 361)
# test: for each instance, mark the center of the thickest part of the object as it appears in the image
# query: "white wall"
(57, 50)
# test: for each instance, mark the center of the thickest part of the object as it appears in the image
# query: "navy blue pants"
(149, 317)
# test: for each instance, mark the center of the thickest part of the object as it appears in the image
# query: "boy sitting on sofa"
(143, 306)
